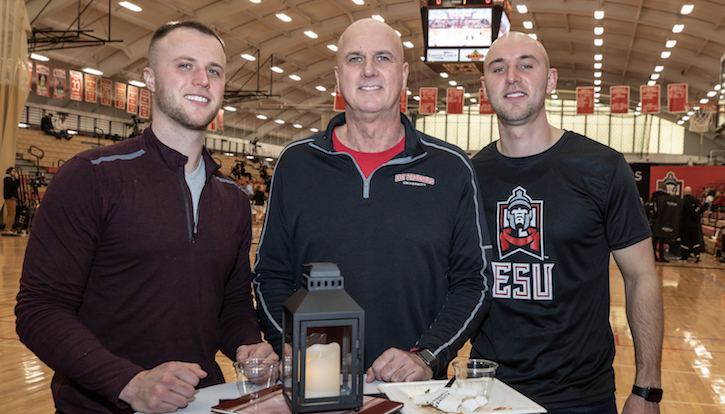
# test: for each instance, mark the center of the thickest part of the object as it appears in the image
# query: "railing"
(86, 125)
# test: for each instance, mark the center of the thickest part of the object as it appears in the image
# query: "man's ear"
(483, 86)
(148, 77)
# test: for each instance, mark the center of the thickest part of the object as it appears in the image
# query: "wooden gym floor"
(693, 363)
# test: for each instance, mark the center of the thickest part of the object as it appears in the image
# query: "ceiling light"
(378, 17)
(598, 65)
(528, 24)
(521, 8)
(597, 95)
(444, 75)
(596, 100)
(636, 113)
(398, 33)
(260, 116)
(680, 122)
(137, 83)
(711, 94)
(473, 100)
(685, 118)
(554, 96)
(599, 30)
(691, 113)
(422, 58)
(678, 28)
(599, 14)
(92, 71)
(332, 47)
(467, 95)
(298, 126)
(452, 83)
(665, 54)
(276, 69)
(295, 77)
(533, 36)
(655, 76)
(230, 108)
(459, 87)
(248, 56)
(283, 17)
(39, 57)
(333, 94)
(417, 98)
(256, 1)
(597, 74)
(320, 88)
(408, 92)
(311, 34)
(314, 130)
(651, 83)
(442, 112)
(717, 87)
(597, 89)
(597, 81)
(359, 2)
(659, 68)
(278, 121)
(687, 8)
(409, 45)
(697, 108)
(598, 42)
(598, 57)
(130, 6)
(22, 125)
(670, 44)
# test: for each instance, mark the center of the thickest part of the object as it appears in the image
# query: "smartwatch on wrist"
(650, 394)
(426, 355)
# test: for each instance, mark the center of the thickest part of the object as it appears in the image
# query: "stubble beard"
(174, 110)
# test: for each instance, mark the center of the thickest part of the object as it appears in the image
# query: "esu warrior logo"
(521, 229)
(520, 225)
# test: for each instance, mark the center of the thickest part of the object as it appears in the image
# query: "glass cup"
(476, 374)
(255, 374)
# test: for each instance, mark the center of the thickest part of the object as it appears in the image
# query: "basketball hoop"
(702, 115)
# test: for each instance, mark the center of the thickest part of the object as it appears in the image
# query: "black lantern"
(324, 328)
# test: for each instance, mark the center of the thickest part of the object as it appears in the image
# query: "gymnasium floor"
(693, 363)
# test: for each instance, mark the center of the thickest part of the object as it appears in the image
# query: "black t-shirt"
(554, 218)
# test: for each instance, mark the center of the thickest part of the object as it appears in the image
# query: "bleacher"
(713, 224)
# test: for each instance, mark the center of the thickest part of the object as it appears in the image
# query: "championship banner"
(585, 100)
(454, 101)
(339, 103)
(619, 99)
(144, 103)
(120, 95)
(58, 83)
(212, 125)
(42, 73)
(484, 107)
(91, 88)
(428, 99)
(132, 104)
(650, 98)
(30, 72)
(220, 120)
(676, 97)
(403, 101)
(106, 90)
(76, 85)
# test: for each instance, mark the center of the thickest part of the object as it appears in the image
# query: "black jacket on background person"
(46, 124)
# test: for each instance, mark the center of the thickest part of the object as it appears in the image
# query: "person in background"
(691, 240)
(46, 125)
(658, 242)
(395, 209)
(558, 204)
(61, 127)
(259, 203)
(11, 186)
(137, 270)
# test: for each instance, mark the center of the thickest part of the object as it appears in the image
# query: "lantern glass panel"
(328, 354)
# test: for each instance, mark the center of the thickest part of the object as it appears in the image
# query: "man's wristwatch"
(650, 394)
(426, 355)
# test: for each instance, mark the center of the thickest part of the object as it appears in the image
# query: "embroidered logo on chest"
(414, 179)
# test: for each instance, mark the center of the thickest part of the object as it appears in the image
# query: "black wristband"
(650, 394)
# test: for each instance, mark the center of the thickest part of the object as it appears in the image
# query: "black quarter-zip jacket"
(410, 241)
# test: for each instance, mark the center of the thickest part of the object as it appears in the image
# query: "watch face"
(654, 395)
(427, 356)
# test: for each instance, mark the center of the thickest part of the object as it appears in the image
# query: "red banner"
(619, 99)
(144, 103)
(132, 105)
(42, 74)
(58, 83)
(30, 71)
(403, 101)
(76, 85)
(454, 101)
(120, 95)
(428, 99)
(220, 120)
(585, 100)
(106, 90)
(339, 102)
(212, 125)
(650, 98)
(676, 97)
(91, 88)
(484, 107)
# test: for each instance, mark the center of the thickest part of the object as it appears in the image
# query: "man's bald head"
(519, 40)
(688, 190)
(363, 27)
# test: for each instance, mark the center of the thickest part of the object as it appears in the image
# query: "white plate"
(503, 398)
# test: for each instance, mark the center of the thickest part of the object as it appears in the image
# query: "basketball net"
(702, 116)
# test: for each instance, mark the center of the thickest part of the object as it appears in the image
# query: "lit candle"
(322, 371)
